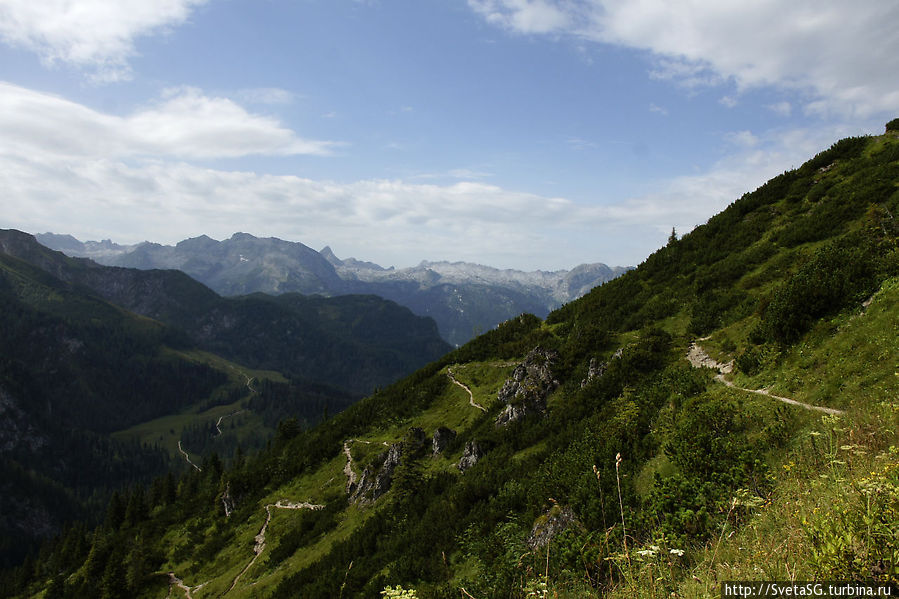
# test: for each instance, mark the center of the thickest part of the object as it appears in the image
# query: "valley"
(724, 411)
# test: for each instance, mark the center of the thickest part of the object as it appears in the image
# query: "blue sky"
(531, 134)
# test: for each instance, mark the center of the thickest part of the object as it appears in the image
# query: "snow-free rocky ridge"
(463, 298)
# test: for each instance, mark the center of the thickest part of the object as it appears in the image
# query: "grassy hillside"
(630, 470)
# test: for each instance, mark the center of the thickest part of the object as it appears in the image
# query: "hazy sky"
(515, 133)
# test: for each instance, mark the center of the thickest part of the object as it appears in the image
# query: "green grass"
(834, 504)
(165, 432)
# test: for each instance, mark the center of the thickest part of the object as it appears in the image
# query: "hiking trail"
(259, 547)
(471, 401)
(700, 359)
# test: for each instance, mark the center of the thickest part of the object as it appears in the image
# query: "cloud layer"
(110, 174)
(842, 56)
(97, 35)
(183, 123)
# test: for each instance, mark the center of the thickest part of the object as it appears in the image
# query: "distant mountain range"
(463, 298)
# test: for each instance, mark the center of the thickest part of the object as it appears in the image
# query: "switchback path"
(174, 581)
(700, 359)
(471, 401)
(187, 457)
(218, 424)
(259, 547)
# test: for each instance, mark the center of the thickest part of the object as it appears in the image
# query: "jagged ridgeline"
(726, 411)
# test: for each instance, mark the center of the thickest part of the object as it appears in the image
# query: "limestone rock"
(376, 480)
(471, 455)
(525, 392)
(558, 519)
(443, 437)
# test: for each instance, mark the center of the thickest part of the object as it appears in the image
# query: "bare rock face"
(557, 520)
(594, 371)
(525, 392)
(376, 479)
(472, 454)
(442, 438)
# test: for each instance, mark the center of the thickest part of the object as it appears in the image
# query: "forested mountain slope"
(464, 299)
(354, 343)
(82, 379)
(585, 455)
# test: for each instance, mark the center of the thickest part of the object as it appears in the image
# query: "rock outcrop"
(442, 439)
(471, 455)
(377, 478)
(525, 392)
(557, 520)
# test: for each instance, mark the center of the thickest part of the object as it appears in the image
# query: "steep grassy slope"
(641, 475)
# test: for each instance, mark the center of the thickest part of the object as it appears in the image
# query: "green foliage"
(645, 443)
(840, 273)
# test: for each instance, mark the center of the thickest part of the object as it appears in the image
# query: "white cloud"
(658, 109)
(525, 16)
(184, 123)
(97, 35)
(69, 169)
(845, 55)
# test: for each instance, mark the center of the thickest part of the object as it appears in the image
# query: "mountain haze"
(463, 298)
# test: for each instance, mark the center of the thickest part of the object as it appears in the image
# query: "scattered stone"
(442, 439)
(471, 455)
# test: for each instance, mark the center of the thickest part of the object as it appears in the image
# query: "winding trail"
(348, 468)
(700, 359)
(259, 547)
(471, 401)
(218, 424)
(174, 581)
(249, 382)
(187, 457)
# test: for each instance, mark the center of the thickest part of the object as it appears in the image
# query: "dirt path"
(471, 401)
(348, 468)
(174, 581)
(218, 424)
(187, 457)
(259, 547)
(700, 359)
